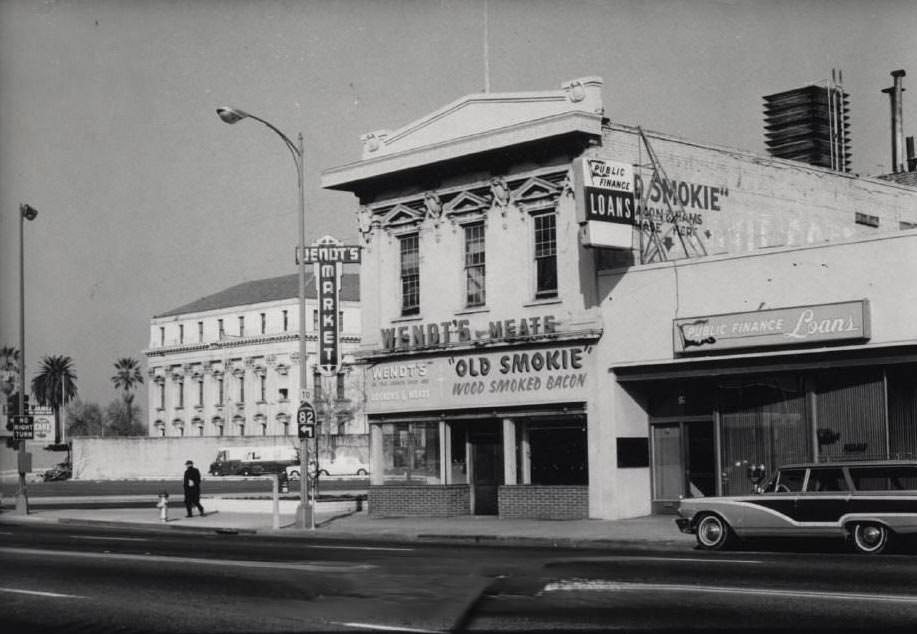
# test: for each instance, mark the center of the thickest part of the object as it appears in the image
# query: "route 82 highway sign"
(305, 420)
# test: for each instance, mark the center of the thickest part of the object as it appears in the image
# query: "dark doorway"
(684, 462)
(487, 468)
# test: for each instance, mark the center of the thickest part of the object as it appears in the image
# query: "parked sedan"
(61, 471)
(869, 503)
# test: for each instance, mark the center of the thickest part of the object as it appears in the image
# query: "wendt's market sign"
(519, 377)
(800, 325)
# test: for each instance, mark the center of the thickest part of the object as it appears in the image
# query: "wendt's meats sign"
(519, 377)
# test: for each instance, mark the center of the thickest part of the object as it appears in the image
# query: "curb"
(156, 527)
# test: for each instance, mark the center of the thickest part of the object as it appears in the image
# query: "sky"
(147, 201)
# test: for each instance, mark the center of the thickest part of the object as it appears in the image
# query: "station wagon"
(869, 503)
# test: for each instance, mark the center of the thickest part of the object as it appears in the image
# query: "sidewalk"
(339, 521)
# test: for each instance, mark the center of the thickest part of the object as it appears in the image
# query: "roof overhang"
(350, 177)
(767, 362)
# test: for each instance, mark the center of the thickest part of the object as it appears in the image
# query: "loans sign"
(605, 207)
(799, 325)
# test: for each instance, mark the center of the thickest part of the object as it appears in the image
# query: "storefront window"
(763, 423)
(558, 452)
(902, 412)
(851, 415)
(411, 453)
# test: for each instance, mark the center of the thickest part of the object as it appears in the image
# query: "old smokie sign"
(800, 325)
(510, 377)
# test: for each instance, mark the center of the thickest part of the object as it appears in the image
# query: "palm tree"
(9, 370)
(127, 378)
(55, 385)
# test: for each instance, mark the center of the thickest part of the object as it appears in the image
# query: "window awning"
(764, 362)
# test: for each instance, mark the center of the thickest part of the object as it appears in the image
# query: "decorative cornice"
(235, 342)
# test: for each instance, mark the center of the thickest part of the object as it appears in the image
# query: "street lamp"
(26, 212)
(234, 115)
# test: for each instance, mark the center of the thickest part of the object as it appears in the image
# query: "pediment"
(535, 188)
(481, 113)
(466, 203)
(400, 215)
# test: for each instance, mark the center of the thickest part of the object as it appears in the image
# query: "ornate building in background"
(228, 363)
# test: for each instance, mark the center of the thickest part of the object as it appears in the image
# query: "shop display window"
(558, 452)
(411, 453)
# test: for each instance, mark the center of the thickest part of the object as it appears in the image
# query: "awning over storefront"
(554, 409)
(763, 362)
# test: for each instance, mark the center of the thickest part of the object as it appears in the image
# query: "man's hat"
(188, 463)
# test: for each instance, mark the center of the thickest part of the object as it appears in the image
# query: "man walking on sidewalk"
(192, 485)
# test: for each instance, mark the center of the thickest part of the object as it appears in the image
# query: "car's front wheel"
(870, 538)
(713, 533)
(294, 475)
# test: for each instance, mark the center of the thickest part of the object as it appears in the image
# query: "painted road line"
(386, 548)
(601, 585)
(693, 560)
(113, 539)
(387, 628)
(240, 563)
(53, 595)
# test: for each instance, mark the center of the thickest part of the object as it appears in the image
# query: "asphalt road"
(60, 578)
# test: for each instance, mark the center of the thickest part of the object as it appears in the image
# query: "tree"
(54, 386)
(127, 377)
(84, 419)
(121, 421)
(9, 370)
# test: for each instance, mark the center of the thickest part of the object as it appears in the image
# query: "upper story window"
(474, 264)
(263, 323)
(410, 275)
(181, 333)
(162, 335)
(220, 328)
(241, 325)
(340, 386)
(286, 321)
(200, 331)
(545, 255)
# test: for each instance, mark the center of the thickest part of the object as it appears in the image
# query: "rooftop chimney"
(894, 93)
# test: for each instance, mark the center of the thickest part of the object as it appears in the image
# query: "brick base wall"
(536, 502)
(419, 501)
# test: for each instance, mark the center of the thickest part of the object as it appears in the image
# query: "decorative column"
(376, 456)
(509, 451)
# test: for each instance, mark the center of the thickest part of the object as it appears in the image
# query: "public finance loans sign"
(800, 325)
(605, 207)
(517, 377)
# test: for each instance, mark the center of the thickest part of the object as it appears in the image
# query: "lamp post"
(234, 115)
(26, 212)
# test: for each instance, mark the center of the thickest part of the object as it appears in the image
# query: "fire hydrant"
(163, 506)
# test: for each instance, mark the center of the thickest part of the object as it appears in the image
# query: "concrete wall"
(144, 457)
